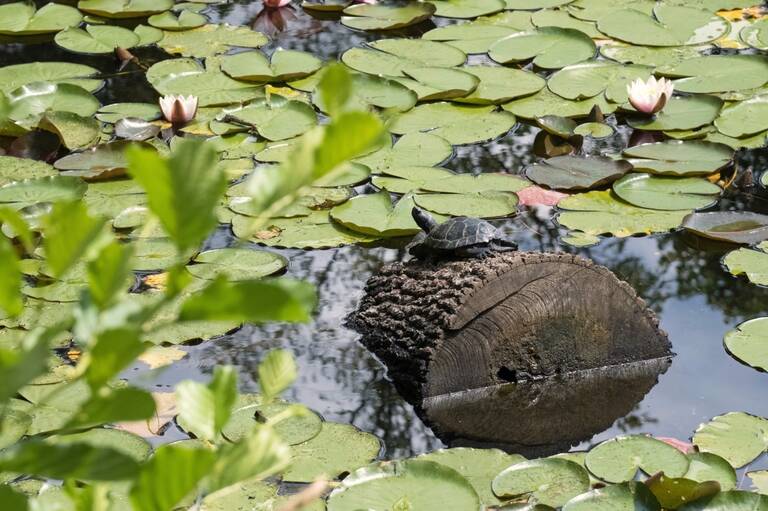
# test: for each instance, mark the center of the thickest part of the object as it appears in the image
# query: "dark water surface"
(680, 277)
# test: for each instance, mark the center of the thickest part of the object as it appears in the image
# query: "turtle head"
(423, 219)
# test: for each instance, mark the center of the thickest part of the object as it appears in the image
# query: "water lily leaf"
(491, 204)
(666, 193)
(500, 85)
(312, 231)
(412, 149)
(458, 124)
(97, 161)
(679, 158)
(670, 25)
(753, 263)
(755, 34)
(209, 83)
(19, 169)
(754, 142)
(273, 120)
(13, 77)
(407, 484)
(124, 8)
(545, 102)
(15, 424)
(737, 437)
(210, 40)
(293, 430)
(325, 6)
(592, 10)
(336, 449)
(550, 481)
(594, 130)
(474, 37)
(367, 91)
(759, 480)
(390, 57)
(467, 9)
(562, 19)
(375, 215)
(649, 55)
(601, 212)
(730, 500)
(577, 172)
(284, 65)
(43, 189)
(37, 97)
(589, 79)
(410, 179)
(433, 83)
(748, 343)
(116, 111)
(673, 492)
(74, 131)
(315, 199)
(478, 466)
(705, 466)
(182, 21)
(134, 129)
(236, 264)
(241, 497)
(96, 39)
(468, 183)
(535, 4)
(618, 459)
(23, 18)
(718, 73)
(148, 35)
(620, 497)
(386, 17)
(744, 118)
(681, 113)
(732, 226)
(580, 239)
(549, 47)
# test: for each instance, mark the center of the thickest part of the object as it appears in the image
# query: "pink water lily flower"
(274, 4)
(650, 96)
(178, 109)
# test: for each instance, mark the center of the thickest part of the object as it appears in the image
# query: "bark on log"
(455, 325)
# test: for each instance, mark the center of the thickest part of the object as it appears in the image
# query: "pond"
(680, 275)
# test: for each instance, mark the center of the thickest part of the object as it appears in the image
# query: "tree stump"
(449, 326)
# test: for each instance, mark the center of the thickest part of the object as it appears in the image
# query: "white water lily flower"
(650, 96)
(178, 109)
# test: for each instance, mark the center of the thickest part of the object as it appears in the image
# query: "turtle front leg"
(474, 252)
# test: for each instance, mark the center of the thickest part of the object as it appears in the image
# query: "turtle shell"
(460, 232)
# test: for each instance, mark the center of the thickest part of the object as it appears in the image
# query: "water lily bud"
(178, 109)
(650, 96)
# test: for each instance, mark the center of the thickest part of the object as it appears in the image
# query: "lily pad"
(753, 263)
(96, 39)
(737, 437)
(759, 480)
(594, 130)
(755, 34)
(748, 343)
(545, 102)
(184, 20)
(549, 481)
(478, 204)
(375, 215)
(500, 84)
(681, 113)
(548, 47)
(37, 97)
(458, 124)
(589, 79)
(74, 131)
(467, 9)
(416, 149)
(236, 264)
(577, 172)
(561, 18)
(43, 189)
(104, 158)
(386, 17)
(293, 430)
(732, 226)
(407, 484)
(210, 40)
(718, 73)
(619, 497)
(124, 8)
(23, 18)
(13, 77)
(705, 466)
(472, 37)
(336, 450)
(666, 193)
(19, 169)
(282, 66)
(434, 83)
(617, 460)
(730, 500)
(116, 111)
(273, 120)
(744, 118)
(391, 57)
(679, 158)
(122, 441)
(649, 55)
(601, 212)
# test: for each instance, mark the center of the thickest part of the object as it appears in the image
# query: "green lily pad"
(13, 77)
(472, 37)
(458, 124)
(753, 263)
(375, 215)
(124, 8)
(673, 492)
(737, 437)
(241, 497)
(412, 149)
(284, 65)
(293, 430)
(386, 17)
(15, 424)
(410, 179)
(479, 466)
(535, 4)
(434, 83)
(681, 113)
(759, 480)
(718, 73)
(23, 18)
(236, 264)
(731, 226)
(594, 130)
(74, 131)
(748, 343)
(467, 9)
(314, 199)
(35, 98)
(151, 254)
(561, 18)
(754, 142)
(593, 10)
(580, 239)
(589, 79)
(500, 85)
(337, 449)
(617, 460)
(391, 57)
(490, 204)
(744, 118)
(117, 111)
(545, 102)
(96, 39)
(43, 189)
(679, 158)
(109, 157)
(730, 500)
(670, 25)
(469, 183)
(367, 91)
(666, 193)
(548, 47)
(601, 212)
(577, 172)
(407, 484)
(620, 497)
(755, 34)
(184, 20)
(210, 40)
(705, 466)
(649, 55)
(273, 120)
(549, 481)
(19, 169)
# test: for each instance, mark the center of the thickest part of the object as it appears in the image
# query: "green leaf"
(737, 437)
(10, 279)
(748, 343)
(277, 372)
(96, 39)
(114, 405)
(13, 77)
(618, 459)
(731, 501)
(681, 113)
(550, 481)
(109, 273)
(386, 17)
(620, 497)
(183, 190)
(22, 365)
(282, 66)
(577, 172)
(374, 214)
(753, 263)
(705, 466)
(589, 79)
(210, 40)
(236, 264)
(335, 88)
(730, 226)
(549, 47)
(666, 193)
(718, 73)
(205, 409)
(114, 350)
(69, 233)
(124, 8)
(23, 18)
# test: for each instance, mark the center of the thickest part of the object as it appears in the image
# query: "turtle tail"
(423, 219)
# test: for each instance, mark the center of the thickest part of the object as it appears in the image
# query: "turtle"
(460, 237)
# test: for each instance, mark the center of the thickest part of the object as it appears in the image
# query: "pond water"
(680, 277)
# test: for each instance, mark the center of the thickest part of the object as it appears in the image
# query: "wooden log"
(449, 326)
